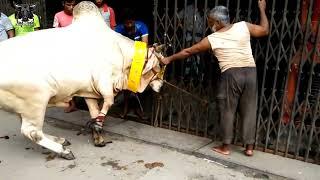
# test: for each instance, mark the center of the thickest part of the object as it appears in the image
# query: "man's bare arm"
(263, 28)
(203, 45)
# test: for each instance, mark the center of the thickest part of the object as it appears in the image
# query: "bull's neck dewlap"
(140, 52)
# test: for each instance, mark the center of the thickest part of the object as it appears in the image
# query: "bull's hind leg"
(34, 132)
(32, 122)
(31, 105)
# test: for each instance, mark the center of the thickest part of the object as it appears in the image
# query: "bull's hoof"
(100, 144)
(66, 143)
(67, 156)
(99, 140)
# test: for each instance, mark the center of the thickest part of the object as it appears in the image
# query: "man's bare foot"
(125, 111)
(123, 116)
(249, 150)
(223, 149)
(140, 114)
(72, 107)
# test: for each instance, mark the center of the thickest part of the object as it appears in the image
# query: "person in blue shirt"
(133, 29)
(138, 31)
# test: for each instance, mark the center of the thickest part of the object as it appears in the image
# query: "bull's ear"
(159, 48)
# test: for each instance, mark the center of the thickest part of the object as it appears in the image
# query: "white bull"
(49, 67)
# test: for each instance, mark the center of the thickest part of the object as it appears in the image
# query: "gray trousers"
(237, 93)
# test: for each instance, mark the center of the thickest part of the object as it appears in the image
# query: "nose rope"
(161, 76)
(186, 92)
(141, 108)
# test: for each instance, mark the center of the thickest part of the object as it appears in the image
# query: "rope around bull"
(163, 69)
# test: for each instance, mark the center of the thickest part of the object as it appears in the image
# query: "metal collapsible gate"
(288, 118)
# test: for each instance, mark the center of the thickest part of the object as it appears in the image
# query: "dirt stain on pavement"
(46, 152)
(256, 175)
(115, 165)
(140, 161)
(70, 166)
(153, 165)
(4, 137)
(51, 157)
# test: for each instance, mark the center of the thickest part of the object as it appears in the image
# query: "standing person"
(133, 29)
(107, 13)
(192, 17)
(138, 31)
(296, 60)
(230, 43)
(64, 18)
(6, 28)
(24, 20)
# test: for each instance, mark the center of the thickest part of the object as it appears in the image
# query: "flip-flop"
(218, 150)
(248, 152)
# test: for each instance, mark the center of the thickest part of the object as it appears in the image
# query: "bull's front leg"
(93, 107)
(97, 120)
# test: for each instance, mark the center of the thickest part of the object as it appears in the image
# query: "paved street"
(125, 158)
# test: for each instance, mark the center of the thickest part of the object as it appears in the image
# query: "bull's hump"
(87, 15)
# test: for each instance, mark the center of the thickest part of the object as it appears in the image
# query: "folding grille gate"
(288, 118)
